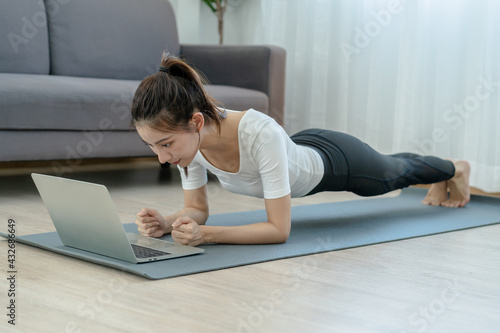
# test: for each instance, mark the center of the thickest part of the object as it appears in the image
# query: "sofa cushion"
(54, 102)
(70, 146)
(24, 44)
(235, 98)
(116, 39)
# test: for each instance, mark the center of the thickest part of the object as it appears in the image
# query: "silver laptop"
(85, 218)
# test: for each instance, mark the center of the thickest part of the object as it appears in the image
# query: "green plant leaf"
(211, 4)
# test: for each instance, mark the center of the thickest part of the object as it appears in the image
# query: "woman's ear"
(198, 121)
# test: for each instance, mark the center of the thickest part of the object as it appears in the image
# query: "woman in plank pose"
(251, 154)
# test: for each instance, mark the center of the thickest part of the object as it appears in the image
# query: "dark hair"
(166, 100)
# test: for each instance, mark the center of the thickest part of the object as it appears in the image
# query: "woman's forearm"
(197, 215)
(276, 230)
(257, 233)
(189, 228)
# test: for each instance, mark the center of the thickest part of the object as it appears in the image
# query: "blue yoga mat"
(315, 229)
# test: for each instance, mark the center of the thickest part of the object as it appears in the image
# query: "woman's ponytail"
(167, 100)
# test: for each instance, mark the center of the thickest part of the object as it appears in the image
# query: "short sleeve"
(196, 176)
(270, 154)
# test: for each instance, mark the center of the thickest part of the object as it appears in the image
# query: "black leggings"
(351, 165)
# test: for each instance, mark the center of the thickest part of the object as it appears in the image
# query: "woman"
(251, 154)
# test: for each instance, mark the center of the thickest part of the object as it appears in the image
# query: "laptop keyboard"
(142, 252)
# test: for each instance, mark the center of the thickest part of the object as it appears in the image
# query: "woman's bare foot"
(437, 194)
(459, 186)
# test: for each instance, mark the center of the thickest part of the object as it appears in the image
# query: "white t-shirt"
(271, 164)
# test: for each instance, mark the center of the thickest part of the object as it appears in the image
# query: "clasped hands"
(184, 230)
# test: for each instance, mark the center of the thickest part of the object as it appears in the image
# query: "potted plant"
(218, 7)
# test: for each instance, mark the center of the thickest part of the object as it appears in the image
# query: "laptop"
(85, 218)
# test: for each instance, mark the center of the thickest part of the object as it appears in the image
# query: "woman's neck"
(212, 140)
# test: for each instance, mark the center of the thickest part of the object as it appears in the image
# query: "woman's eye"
(167, 145)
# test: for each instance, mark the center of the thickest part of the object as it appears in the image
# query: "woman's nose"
(163, 157)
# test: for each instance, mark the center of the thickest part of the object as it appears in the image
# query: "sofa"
(69, 70)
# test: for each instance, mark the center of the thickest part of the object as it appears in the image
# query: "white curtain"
(402, 75)
(420, 76)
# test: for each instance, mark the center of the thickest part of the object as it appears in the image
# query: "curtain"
(403, 76)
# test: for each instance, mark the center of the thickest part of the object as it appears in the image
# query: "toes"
(431, 202)
(452, 203)
(438, 192)
(456, 202)
(427, 201)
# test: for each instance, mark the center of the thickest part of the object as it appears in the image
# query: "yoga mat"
(315, 229)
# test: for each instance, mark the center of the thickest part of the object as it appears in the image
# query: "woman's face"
(178, 148)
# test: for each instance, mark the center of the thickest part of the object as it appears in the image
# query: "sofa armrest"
(257, 67)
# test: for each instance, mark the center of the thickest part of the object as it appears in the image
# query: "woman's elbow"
(203, 219)
(282, 236)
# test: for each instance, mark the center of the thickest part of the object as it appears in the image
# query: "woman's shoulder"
(257, 129)
(256, 120)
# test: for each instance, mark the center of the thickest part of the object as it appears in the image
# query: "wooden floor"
(443, 283)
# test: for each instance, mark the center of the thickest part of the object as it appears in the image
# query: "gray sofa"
(69, 69)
